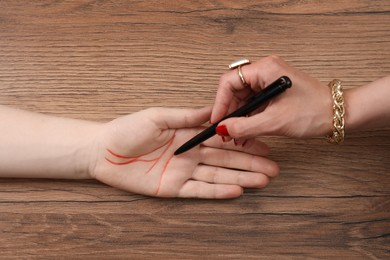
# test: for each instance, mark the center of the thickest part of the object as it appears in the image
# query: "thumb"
(171, 118)
(246, 127)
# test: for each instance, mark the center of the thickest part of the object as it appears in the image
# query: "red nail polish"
(222, 130)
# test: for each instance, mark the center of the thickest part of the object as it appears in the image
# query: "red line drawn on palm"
(126, 160)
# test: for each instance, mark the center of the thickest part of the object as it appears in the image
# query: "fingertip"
(272, 169)
(231, 192)
(275, 170)
(221, 130)
(216, 115)
(227, 191)
(262, 181)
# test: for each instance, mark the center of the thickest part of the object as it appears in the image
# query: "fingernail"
(222, 130)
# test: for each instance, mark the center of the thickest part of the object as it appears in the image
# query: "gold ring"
(238, 64)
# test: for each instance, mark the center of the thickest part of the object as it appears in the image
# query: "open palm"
(135, 153)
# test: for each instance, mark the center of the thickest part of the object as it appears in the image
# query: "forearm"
(368, 106)
(41, 146)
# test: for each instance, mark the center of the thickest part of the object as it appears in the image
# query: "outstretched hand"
(135, 153)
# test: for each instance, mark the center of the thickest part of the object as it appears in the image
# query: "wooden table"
(98, 60)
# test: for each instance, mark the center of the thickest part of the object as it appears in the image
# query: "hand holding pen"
(305, 110)
(309, 109)
(255, 102)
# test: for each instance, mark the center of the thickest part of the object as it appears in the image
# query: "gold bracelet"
(337, 136)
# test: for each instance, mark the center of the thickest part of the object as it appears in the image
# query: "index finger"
(231, 90)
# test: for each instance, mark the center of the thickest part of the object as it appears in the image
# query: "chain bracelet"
(337, 136)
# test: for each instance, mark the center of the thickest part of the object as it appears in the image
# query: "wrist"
(355, 117)
(326, 114)
(86, 154)
(367, 107)
(351, 120)
(73, 146)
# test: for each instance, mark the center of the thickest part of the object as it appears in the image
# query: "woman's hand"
(304, 110)
(135, 153)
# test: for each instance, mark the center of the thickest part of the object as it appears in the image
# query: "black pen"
(276, 88)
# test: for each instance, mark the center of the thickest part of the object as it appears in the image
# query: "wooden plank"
(97, 60)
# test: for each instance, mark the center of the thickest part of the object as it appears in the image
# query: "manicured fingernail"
(222, 130)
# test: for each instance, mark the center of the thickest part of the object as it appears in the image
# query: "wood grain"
(97, 60)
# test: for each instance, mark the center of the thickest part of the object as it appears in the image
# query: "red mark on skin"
(162, 174)
(139, 159)
(136, 159)
(131, 157)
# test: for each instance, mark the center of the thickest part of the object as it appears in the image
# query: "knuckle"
(271, 63)
(153, 111)
(187, 120)
(223, 80)
(236, 129)
(196, 191)
(274, 58)
(216, 175)
(229, 156)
